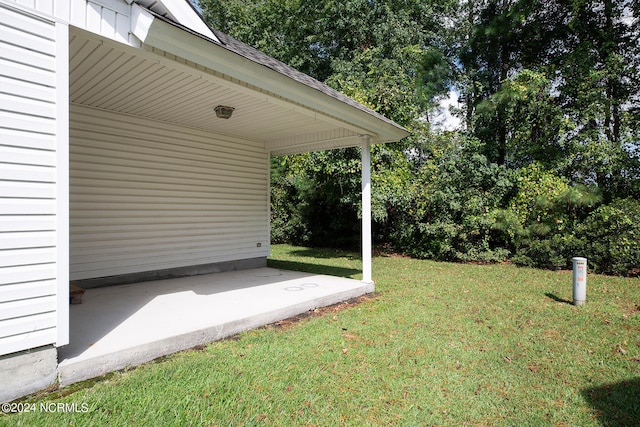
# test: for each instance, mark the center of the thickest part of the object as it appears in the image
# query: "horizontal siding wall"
(148, 196)
(28, 176)
(109, 18)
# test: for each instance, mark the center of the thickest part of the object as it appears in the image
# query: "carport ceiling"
(158, 86)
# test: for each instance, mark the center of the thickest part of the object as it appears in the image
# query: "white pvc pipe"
(579, 281)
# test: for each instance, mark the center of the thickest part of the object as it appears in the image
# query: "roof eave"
(209, 53)
(181, 11)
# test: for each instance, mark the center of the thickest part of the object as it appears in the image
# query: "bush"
(553, 252)
(315, 198)
(611, 237)
(538, 189)
(541, 218)
(457, 191)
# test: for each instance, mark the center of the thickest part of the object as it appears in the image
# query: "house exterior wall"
(131, 195)
(149, 195)
(109, 18)
(33, 153)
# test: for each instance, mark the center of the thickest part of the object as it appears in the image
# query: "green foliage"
(547, 250)
(286, 220)
(379, 82)
(550, 94)
(455, 192)
(535, 129)
(611, 237)
(540, 221)
(557, 82)
(437, 76)
(369, 50)
(317, 198)
(538, 193)
(599, 94)
(283, 29)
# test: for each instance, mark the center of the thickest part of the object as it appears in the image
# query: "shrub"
(611, 237)
(552, 251)
(458, 191)
(538, 189)
(541, 218)
(315, 198)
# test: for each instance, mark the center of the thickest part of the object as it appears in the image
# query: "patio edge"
(70, 371)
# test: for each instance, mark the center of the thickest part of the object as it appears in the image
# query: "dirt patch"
(634, 272)
(385, 253)
(319, 312)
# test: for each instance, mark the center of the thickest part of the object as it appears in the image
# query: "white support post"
(62, 183)
(366, 210)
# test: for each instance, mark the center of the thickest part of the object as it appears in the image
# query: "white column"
(62, 183)
(366, 210)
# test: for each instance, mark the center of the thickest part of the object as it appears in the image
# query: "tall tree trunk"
(502, 127)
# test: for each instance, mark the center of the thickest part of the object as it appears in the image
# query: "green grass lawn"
(438, 344)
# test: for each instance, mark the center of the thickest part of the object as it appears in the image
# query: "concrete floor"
(121, 326)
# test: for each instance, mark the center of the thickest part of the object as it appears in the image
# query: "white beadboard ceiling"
(159, 86)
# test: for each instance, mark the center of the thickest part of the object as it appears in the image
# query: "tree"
(454, 191)
(370, 50)
(489, 52)
(599, 91)
(585, 116)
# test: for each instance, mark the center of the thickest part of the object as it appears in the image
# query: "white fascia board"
(181, 12)
(185, 15)
(141, 21)
(172, 39)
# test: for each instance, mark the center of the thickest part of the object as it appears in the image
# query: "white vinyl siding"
(109, 18)
(147, 196)
(29, 158)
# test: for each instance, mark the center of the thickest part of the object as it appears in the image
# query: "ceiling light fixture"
(223, 112)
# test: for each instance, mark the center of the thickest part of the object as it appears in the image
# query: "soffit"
(158, 86)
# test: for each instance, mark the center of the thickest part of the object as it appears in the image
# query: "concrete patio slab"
(123, 326)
